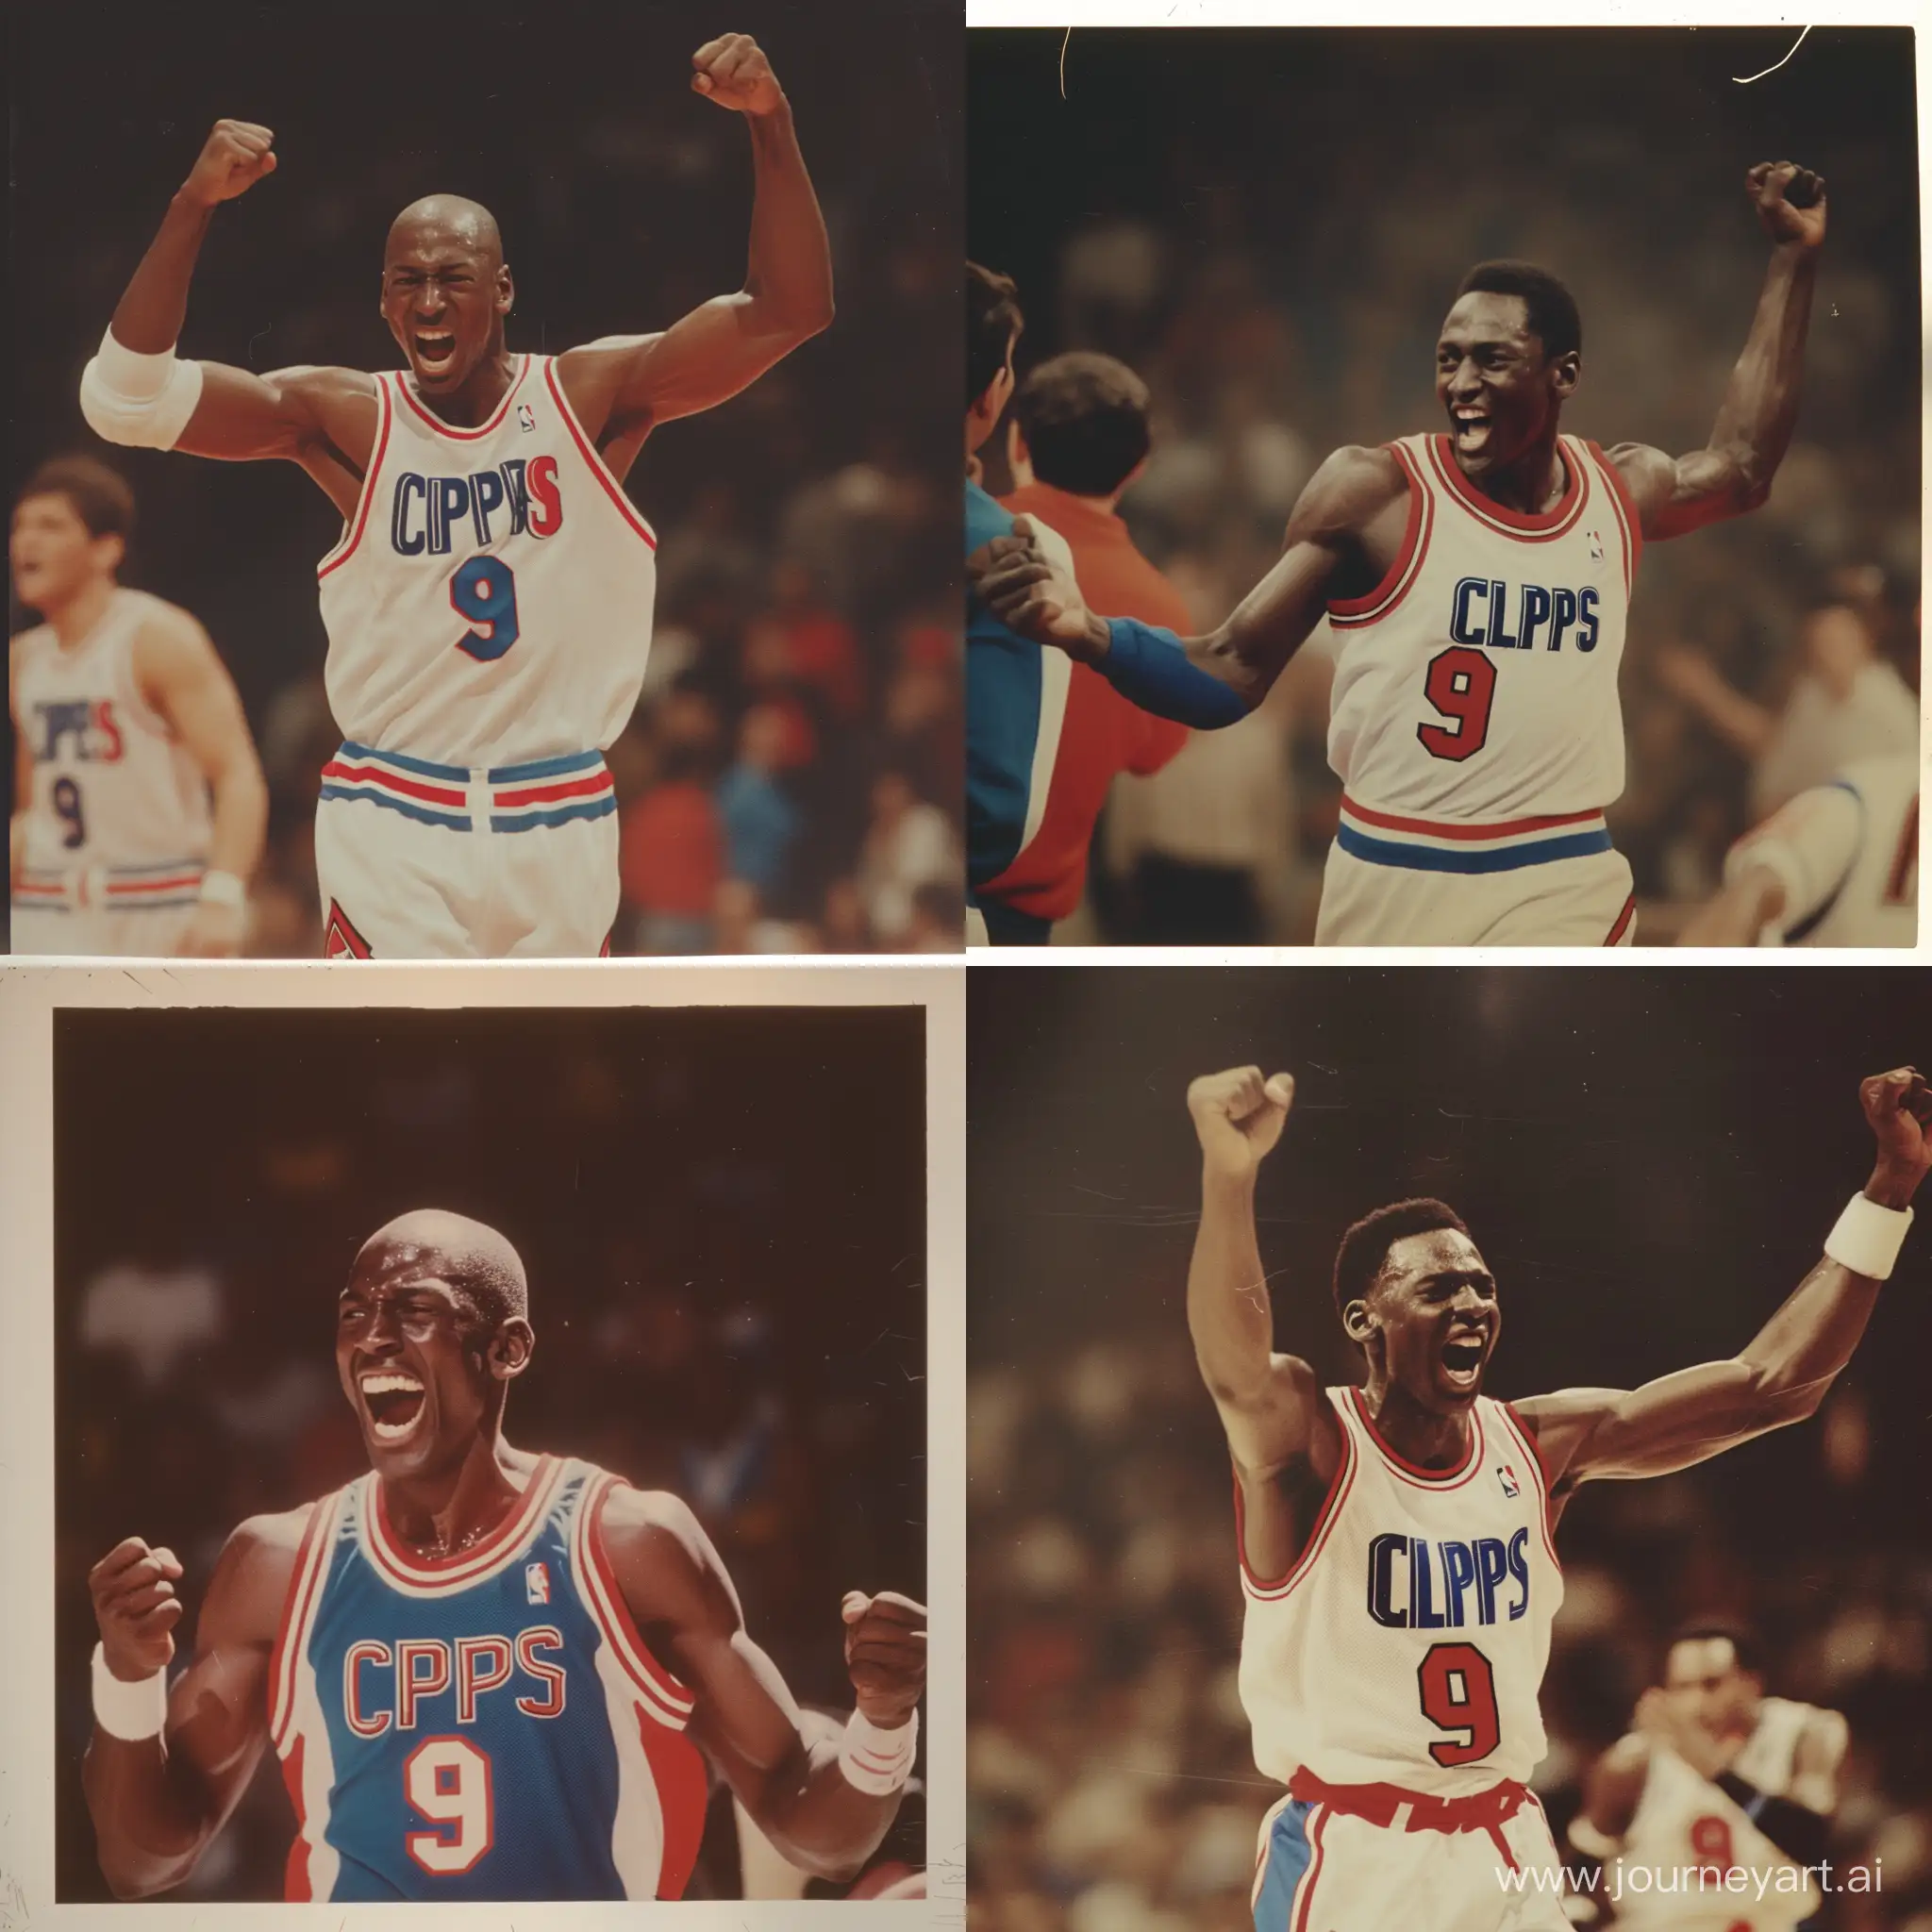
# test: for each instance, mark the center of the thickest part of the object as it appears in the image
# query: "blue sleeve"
(1147, 666)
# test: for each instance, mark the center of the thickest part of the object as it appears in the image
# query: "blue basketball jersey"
(486, 1727)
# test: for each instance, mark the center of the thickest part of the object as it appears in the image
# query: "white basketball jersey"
(1848, 853)
(1684, 1826)
(490, 602)
(1479, 680)
(112, 787)
(1407, 1643)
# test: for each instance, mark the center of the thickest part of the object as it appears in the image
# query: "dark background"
(721, 1214)
(1649, 1162)
(808, 556)
(1269, 225)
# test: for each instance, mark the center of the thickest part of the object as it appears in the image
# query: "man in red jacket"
(1077, 438)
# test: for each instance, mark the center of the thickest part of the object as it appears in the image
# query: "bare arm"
(727, 343)
(782, 1763)
(1732, 474)
(157, 1802)
(1780, 1376)
(184, 680)
(23, 775)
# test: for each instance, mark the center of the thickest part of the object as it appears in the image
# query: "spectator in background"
(1079, 438)
(760, 819)
(909, 845)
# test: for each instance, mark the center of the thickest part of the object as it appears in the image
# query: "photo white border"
(30, 993)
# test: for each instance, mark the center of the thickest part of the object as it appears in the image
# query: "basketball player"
(1395, 1538)
(489, 1674)
(1477, 582)
(489, 603)
(1716, 1777)
(138, 803)
(1835, 866)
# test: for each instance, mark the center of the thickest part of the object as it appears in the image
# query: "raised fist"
(1238, 1116)
(137, 1609)
(733, 71)
(885, 1653)
(237, 155)
(1790, 201)
(1899, 1107)
(1029, 583)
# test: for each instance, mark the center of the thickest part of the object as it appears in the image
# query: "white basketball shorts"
(1394, 880)
(117, 911)
(419, 860)
(1320, 1870)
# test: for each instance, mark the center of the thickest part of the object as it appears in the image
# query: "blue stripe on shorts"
(1287, 1865)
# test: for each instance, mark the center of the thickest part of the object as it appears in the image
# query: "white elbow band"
(1867, 1237)
(222, 889)
(876, 1761)
(132, 1711)
(141, 401)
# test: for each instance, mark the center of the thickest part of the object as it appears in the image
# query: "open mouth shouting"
(1463, 1355)
(394, 1401)
(435, 350)
(1470, 426)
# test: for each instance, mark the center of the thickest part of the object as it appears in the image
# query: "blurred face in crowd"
(53, 555)
(1434, 1304)
(445, 290)
(1705, 1685)
(1837, 647)
(1501, 393)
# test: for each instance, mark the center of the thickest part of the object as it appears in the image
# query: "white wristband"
(1867, 1237)
(876, 1761)
(132, 1711)
(222, 889)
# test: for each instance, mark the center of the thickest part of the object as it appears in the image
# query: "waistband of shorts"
(162, 886)
(480, 798)
(1467, 845)
(1386, 1805)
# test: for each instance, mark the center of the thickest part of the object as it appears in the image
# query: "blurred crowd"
(1110, 1785)
(1274, 322)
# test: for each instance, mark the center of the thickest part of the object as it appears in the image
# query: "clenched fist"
(733, 71)
(1790, 201)
(136, 1607)
(885, 1653)
(236, 156)
(1238, 1116)
(1898, 1105)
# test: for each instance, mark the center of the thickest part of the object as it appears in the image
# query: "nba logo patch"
(1596, 546)
(526, 418)
(1507, 1476)
(537, 1582)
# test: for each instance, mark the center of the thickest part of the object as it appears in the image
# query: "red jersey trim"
(1615, 935)
(1905, 861)
(1626, 507)
(440, 1574)
(599, 469)
(1537, 527)
(449, 429)
(1399, 578)
(291, 1630)
(1521, 1430)
(1325, 1518)
(352, 530)
(1413, 1471)
(1316, 1826)
(660, 1694)
(1464, 828)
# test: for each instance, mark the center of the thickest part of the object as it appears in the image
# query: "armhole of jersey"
(657, 1692)
(1795, 935)
(1352, 612)
(587, 450)
(298, 1611)
(1533, 1449)
(1318, 1530)
(1624, 505)
(354, 527)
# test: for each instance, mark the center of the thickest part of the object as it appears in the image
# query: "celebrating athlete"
(487, 1673)
(488, 603)
(1395, 1538)
(1477, 583)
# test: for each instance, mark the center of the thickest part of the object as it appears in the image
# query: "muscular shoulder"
(329, 403)
(665, 1564)
(1353, 485)
(1648, 474)
(252, 1577)
(169, 647)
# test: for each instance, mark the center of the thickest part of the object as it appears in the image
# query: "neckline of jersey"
(449, 429)
(1473, 498)
(513, 1530)
(1414, 1471)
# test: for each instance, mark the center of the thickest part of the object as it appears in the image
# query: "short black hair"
(993, 323)
(1085, 419)
(1365, 1246)
(1552, 308)
(1742, 1640)
(99, 494)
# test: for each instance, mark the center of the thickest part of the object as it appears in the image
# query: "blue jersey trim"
(1288, 1857)
(1504, 858)
(421, 767)
(402, 805)
(591, 808)
(546, 768)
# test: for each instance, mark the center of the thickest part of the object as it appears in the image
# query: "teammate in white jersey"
(1835, 866)
(1708, 1813)
(1395, 1538)
(1476, 583)
(489, 605)
(138, 803)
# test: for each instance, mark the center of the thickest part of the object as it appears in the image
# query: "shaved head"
(449, 219)
(469, 1255)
